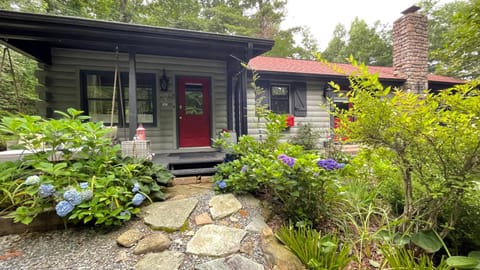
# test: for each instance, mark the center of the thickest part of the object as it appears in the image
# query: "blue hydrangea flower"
(63, 208)
(86, 195)
(136, 187)
(222, 184)
(341, 165)
(83, 185)
(125, 213)
(72, 196)
(328, 164)
(244, 168)
(32, 180)
(46, 190)
(289, 161)
(138, 199)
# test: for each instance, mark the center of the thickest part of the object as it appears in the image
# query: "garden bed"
(45, 221)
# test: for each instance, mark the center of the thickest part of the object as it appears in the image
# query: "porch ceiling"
(35, 34)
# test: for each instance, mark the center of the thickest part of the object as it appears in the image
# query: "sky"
(323, 15)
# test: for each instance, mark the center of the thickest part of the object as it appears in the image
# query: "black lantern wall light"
(164, 82)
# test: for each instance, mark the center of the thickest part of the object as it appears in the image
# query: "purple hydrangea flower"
(328, 164)
(290, 161)
(72, 196)
(86, 195)
(222, 184)
(63, 208)
(244, 168)
(136, 187)
(46, 190)
(138, 199)
(32, 180)
(83, 185)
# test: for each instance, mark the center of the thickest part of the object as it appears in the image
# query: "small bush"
(307, 137)
(75, 170)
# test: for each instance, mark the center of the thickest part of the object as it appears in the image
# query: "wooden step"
(195, 171)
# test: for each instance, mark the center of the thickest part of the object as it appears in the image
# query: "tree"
(455, 33)
(336, 47)
(370, 45)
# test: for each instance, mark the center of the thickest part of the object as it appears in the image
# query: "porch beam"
(132, 93)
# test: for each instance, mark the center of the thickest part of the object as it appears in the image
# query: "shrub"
(433, 141)
(289, 176)
(306, 137)
(76, 170)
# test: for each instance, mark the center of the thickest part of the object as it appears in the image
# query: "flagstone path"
(196, 229)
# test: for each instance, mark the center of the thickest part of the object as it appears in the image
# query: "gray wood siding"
(62, 87)
(317, 114)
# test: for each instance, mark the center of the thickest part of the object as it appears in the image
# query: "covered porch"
(77, 55)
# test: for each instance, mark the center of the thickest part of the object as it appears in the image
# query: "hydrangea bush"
(92, 184)
(299, 181)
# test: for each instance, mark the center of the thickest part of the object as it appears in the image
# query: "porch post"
(132, 94)
(230, 75)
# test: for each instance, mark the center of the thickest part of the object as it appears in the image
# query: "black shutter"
(262, 93)
(300, 99)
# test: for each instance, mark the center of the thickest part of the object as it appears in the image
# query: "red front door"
(193, 112)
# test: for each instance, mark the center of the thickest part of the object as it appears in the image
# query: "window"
(283, 98)
(97, 87)
(280, 99)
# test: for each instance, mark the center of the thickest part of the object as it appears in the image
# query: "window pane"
(99, 86)
(193, 99)
(280, 106)
(280, 91)
(100, 110)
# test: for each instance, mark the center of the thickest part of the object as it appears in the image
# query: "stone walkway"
(196, 229)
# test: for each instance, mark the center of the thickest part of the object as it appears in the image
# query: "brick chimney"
(410, 49)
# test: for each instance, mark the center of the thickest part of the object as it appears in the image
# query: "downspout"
(132, 94)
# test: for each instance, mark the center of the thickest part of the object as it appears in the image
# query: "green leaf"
(474, 254)
(428, 241)
(462, 262)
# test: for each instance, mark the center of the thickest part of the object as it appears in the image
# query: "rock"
(168, 215)
(190, 233)
(250, 201)
(203, 219)
(187, 191)
(277, 255)
(233, 219)
(235, 262)
(247, 247)
(257, 224)
(166, 260)
(129, 238)
(214, 240)
(224, 205)
(152, 243)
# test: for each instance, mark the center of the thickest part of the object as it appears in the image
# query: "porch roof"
(35, 34)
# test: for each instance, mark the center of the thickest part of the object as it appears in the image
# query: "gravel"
(96, 248)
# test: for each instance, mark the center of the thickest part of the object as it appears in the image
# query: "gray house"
(182, 86)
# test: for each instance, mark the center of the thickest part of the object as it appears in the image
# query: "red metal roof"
(286, 65)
